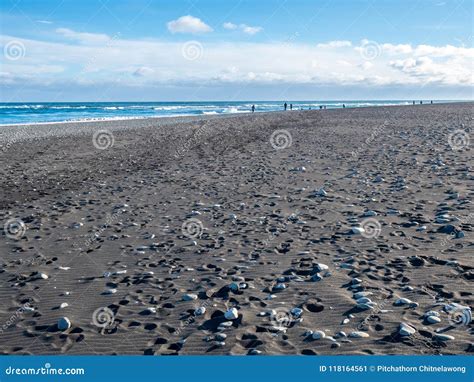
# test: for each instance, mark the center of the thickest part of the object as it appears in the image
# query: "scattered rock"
(231, 314)
(189, 297)
(358, 334)
(318, 334)
(64, 323)
(406, 330)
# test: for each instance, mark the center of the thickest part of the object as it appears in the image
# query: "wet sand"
(304, 232)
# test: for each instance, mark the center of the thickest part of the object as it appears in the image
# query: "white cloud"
(155, 63)
(230, 26)
(335, 44)
(188, 24)
(397, 49)
(247, 29)
(44, 21)
(250, 30)
(83, 38)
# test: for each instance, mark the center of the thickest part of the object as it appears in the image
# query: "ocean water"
(43, 112)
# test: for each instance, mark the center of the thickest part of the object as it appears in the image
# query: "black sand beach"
(329, 232)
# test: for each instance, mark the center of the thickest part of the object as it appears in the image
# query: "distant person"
(343, 105)
(413, 102)
(324, 107)
(320, 107)
(432, 102)
(421, 102)
(253, 108)
(285, 105)
(291, 106)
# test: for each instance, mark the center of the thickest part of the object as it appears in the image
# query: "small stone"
(406, 330)
(362, 294)
(110, 291)
(322, 267)
(41, 276)
(365, 305)
(200, 311)
(254, 352)
(363, 299)
(431, 313)
(433, 319)
(296, 312)
(279, 286)
(234, 287)
(442, 337)
(64, 323)
(318, 334)
(189, 297)
(63, 305)
(221, 336)
(345, 321)
(231, 314)
(369, 213)
(378, 179)
(357, 230)
(340, 334)
(321, 192)
(447, 229)
(403, 301)
(359, 334)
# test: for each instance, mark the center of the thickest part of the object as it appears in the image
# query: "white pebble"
(231, 314)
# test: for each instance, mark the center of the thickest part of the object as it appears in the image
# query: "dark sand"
(253, 216)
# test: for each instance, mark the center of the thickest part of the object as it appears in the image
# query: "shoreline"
(182, 118)
(133, 118)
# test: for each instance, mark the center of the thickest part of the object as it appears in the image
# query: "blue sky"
(205, 50)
